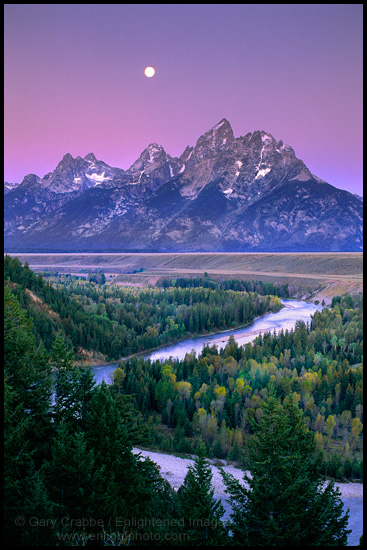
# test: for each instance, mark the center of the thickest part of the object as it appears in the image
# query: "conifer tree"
(74, 482)
(27, 373)
(202, 514)
(158, 508)
(86, 390)
(67, 405)
(18, 466)
(39, 512)
(108, 437)
(284, 500)
(27, 399)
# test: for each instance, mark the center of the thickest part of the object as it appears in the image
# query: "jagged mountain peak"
(69, 161)
(154, 151)
(222, 126)
(30, 179)
(265, 136)
(260, 138)
(90, 157)
(218, 137)
(225, 193)
(67, 165)
(67, 158)
(153, 146)
(152, 157)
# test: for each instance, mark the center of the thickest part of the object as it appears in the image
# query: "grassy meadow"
(316, 275)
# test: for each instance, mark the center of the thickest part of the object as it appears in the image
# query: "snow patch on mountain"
(153, 150)
(9, 186)
(226, 193)
(262, 173)
(99, 178)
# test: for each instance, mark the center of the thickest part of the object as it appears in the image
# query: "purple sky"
(74, 81)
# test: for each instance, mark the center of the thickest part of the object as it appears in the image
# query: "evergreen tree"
(285, 501)
(75, 482)
(109, 438)
(67, 405)
(27, 398)
(40, 517)
(18, 466)
(202, 514)
(27, 374)
(159, 506)
(86, 390)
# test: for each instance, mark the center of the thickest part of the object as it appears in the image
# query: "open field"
(328, 264)
(329, 273)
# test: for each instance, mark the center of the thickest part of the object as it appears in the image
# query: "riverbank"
(283, 319)
(100, 361)
(174, 469)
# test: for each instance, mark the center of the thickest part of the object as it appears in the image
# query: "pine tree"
(18, 465)
(67, 405)
(27, 374)
(40, 517)
(108, 437)
(202, 514)
(159, 505)
(74, 481)
(27, 398)
(284, 501)
(86, 390)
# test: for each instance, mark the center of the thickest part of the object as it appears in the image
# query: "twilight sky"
(75, 83)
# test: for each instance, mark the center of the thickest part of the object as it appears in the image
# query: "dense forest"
(70, 475)
(217, 395)
(281, 290)
(118, 322)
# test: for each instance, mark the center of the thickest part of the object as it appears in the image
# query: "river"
(174, 469)
(285, 319)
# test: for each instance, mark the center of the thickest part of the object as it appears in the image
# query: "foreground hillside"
(69, 457)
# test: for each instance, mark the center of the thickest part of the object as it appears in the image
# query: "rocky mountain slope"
(249, 193)
(8, 186)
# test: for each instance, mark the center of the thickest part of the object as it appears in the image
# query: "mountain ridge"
(249, 193)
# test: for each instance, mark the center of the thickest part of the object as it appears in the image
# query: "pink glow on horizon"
(75, 83)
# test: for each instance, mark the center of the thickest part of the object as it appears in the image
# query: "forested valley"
(68, 443)
(118, 322)
(218, 395)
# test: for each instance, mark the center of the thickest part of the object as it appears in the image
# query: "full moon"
(149, 72)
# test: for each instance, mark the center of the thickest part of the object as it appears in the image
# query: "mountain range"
(249, 193)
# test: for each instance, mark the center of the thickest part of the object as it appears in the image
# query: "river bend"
(285, 319)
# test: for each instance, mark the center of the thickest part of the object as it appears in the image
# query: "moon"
(149, 72)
